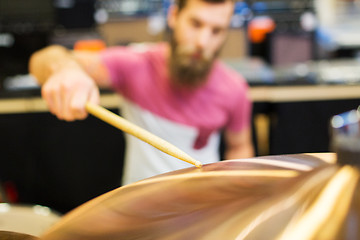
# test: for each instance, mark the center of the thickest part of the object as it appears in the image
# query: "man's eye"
(196, 24)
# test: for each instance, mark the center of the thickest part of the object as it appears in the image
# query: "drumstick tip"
(198, 164)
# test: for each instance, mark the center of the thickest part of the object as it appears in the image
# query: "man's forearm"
(238, 144)
(246, 151)
(47, 61)
(43, 63)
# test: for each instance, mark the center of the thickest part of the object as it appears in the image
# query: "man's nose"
(203, 38)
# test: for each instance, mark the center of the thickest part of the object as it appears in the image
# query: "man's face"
(199, 31)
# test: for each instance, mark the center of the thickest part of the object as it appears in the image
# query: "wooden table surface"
(271, 94)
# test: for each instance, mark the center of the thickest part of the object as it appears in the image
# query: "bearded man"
(179, 91)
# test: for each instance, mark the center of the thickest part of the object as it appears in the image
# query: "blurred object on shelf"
(93, 45)
(254, 70)
(337, 71)
(121, 9)
(345, 140)
(259, 27)
(68, 37)
(20, 82)
(344, 71)
(290, 48)
(288, 31)
(338, 34)
(337, 12)
(242, 14)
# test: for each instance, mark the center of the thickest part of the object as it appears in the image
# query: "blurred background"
(301, 59)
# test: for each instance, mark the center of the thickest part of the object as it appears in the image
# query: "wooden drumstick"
(140, 133)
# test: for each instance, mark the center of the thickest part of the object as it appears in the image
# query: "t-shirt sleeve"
(120, 62)
(241, 112)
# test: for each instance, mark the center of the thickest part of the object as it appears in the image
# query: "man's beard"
(189, 67)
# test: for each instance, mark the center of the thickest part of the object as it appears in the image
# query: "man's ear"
(172, 15)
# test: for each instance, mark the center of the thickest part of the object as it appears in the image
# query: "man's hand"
(68, 89)
(66, 79)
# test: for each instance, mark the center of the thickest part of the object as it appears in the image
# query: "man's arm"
(69, 80)
(238, 144)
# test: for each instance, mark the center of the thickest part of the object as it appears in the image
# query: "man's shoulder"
(134, 56)
(225, 74)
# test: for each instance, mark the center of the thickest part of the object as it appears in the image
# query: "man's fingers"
(78, 102)
(94, 96)
(48, 100)
(67, 92)
(77, 106)
(52, 99)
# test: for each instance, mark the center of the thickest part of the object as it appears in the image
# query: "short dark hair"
(182, 3)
